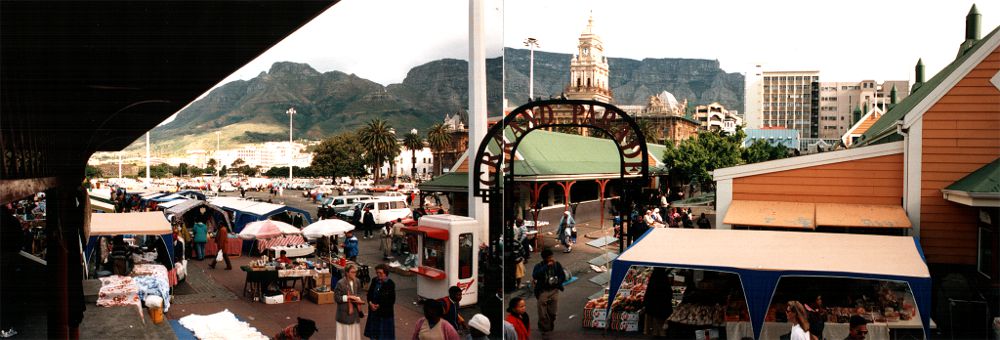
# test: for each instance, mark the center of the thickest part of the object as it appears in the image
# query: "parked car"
(384, 209)
(334, 205)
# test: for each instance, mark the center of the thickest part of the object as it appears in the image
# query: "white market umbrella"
(267, 229)
(328, 227)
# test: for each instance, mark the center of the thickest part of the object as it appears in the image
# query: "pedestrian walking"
(450, 305)
(430, 326)
(221, 240)
(345, 294)
(381, 302)
(356, 217)
(350, 246)
(369, 223)
(200, 239)
(566, 226)
(387, 240)
(517, 317)
(548, 277)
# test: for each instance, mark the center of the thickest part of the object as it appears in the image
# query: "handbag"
(218, 257)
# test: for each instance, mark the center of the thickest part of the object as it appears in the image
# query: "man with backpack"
(548, 277)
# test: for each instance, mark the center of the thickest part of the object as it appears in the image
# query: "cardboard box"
(290, 294)
(323, 279)
(321, 298)
(274, 300)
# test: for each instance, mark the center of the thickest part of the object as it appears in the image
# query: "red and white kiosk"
(447, 255)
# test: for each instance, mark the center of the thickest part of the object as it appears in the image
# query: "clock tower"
(589, 69)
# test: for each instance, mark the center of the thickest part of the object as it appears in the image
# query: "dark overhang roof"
(80, 77)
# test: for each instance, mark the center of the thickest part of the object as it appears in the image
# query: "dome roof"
(668, 99)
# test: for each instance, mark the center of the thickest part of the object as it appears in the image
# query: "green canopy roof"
(986, 180)
(545, 155)
(553, 156)
(876, 134)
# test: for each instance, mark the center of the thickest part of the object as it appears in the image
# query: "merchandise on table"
(698, 315)
(221, 325)
(627, 306)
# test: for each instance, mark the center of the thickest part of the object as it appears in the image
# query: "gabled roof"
(931, 90)
(863, 125)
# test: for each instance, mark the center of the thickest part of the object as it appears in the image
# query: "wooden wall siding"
(876, 180)
(961, 133)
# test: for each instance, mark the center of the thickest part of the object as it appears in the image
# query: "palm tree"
(648, 130)
(439, 138)
(413, 142)
(379, 140)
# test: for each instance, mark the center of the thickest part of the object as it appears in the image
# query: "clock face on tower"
(586, 51)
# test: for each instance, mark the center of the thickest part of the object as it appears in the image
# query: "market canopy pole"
(477, 104)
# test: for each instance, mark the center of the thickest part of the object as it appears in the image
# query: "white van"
(343, 203)
(383, 208)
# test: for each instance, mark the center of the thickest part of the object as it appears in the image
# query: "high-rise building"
(753, 98)
(589, 69)
(839, 101)
(789, 100)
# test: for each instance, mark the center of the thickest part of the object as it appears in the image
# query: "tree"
(413, 142)
(648, 130)
(439, 138)
(379, 140)
(180, 170)
(694, 159)
(238, 163)
(761, 151)
(93, 172)
(212, 163)
(339, 156)
(223, 171)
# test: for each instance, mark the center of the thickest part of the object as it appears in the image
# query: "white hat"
(481, 323)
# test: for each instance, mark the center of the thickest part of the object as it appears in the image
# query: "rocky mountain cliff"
(632, 81)
(253, 111)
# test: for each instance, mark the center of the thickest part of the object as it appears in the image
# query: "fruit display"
(699, 315)
(626, 307)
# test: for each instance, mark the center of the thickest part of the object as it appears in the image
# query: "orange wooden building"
(927, 167)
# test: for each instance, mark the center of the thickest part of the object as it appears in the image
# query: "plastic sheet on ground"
(221, 325)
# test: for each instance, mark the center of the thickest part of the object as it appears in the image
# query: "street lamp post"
(532, 43)
(147, 159)
(217, 134)
(290, 112)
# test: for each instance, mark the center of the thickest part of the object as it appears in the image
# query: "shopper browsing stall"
(381, 303)
(348, 305)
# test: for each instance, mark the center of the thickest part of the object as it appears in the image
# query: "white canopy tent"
(761, 258)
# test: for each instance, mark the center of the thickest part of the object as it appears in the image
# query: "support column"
(601, 184)
(566, 186)
(536, 190)
(477, 105)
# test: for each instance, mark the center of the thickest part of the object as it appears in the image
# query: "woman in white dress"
(345, 294)
(800, 323)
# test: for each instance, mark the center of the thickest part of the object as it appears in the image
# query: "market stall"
(247, 211)
(761, 258)
(138, 223)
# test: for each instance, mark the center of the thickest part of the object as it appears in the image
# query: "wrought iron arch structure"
(494, 160)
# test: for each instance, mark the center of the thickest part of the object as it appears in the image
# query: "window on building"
(465, 252)
(433, 253)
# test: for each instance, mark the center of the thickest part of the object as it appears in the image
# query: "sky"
(850, 40)
(845, 40)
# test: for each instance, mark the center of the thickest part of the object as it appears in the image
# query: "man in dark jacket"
(369, 223)
(356, 217)
(548, 277)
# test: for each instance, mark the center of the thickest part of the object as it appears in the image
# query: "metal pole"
(217, 160)
(291, 112)
(531, 43)
(147, 159)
